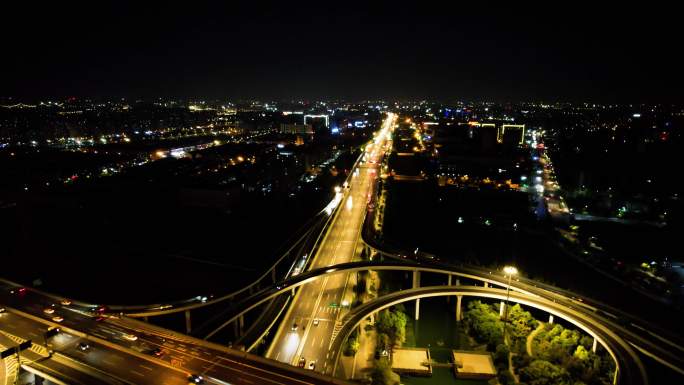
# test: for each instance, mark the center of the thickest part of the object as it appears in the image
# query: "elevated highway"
(630, 370)
(666, 352)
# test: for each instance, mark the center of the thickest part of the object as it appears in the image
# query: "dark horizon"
(277, 52)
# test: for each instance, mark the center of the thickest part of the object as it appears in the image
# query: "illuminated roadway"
(323, 299)
(319, 289)
(631, 371)
(664, 350)
(121, 360)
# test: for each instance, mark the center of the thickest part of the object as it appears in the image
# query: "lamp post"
(510, 271)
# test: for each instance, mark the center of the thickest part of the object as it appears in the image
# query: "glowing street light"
(510, 271)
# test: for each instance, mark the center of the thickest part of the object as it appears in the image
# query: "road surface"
(132, 360)
(325, 300)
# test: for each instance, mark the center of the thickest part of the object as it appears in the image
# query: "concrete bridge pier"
(550, 318)
(458, 307)
(416, 284)
(448, 297)
(593, 346)
(501, 309)
(188, 322)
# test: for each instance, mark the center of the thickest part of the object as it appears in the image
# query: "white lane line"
(137, 373)
(146, 367)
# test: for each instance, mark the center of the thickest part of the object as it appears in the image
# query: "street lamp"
(510, 271)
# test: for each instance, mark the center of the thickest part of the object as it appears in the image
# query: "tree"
(501, 356)
(581, 353)
(521, 322)
(352, 345)
(382, 373)
(392, 323)
(541, 372)
(484, 324)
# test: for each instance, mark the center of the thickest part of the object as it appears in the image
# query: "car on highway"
(48, 310)
(302, 362)
(316, 321)
(294, 327)
(130, 337)
(20, 291)
(157, 352)
(65, 302)
(57, 319)
(2, 310)
(312, 365)
(196, 379)
(83, 346)
(100, 310)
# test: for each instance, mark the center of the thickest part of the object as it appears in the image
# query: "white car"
(48, 310)
(316, 321)
(130, 337)
(57, 319)
(65, 302)
(312, 365)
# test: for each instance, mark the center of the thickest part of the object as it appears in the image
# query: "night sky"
(550, 51)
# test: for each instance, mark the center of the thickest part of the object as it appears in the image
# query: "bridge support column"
(501, 309)
(146, 319)
(593, 346)
(241, 325)
(416, 284)
(458, 282)
(550, 318)
(458, 307)
(486, 284)
(417, 309)
(448, 297)
(188, 323)
(273, 275)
